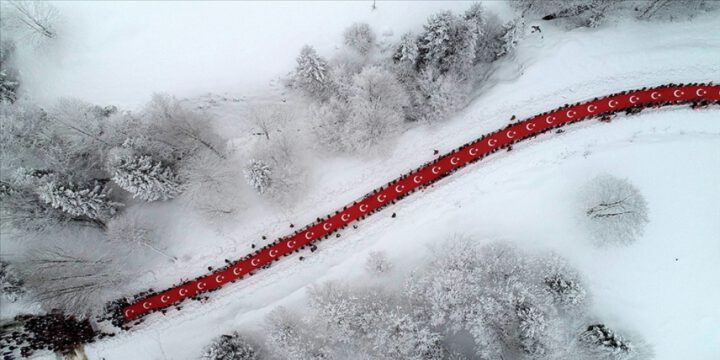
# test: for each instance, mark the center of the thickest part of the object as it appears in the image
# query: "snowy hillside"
(527, 196)
(226, 61)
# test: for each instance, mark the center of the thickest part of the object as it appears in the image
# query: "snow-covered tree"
(258, 175)
(186, 132)
(404, 336)
(614, 209)
(601, 342)
(370, 111)
(359, 37)
(21, 209)
(11, 286)
(532, 327)
(92, 202)
(493, 39)
(406, 51)
(567, 292)
(378, 263)
(447, 44)
(9, 78)
(349, 314)
(312, 74)
(437, 96)
(508, 37)
(292, 338)
(494, 293)
(376, 105)
(143, 177)
(231, 347)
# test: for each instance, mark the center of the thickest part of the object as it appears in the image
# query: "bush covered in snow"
(231, 347)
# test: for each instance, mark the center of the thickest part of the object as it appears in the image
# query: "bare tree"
(32, 19)
(615, 209)
(128, 229)
(184, 130)
(75, 281)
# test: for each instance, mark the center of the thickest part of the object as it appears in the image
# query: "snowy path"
(420, 178)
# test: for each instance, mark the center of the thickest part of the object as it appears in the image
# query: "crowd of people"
(604, 116)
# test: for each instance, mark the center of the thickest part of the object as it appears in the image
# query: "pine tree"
(601, 340)
(531, 329)
(93, 203)
(231, 347)
(447, 44)
(144, 178)
(312, 74)
(407, 50)
(511, 34)
(259, 175)
(566, 292)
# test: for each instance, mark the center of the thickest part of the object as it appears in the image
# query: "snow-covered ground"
(663, 286)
